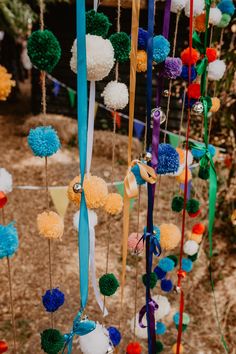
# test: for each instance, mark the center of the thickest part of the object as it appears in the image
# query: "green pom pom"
(194, 257)
(121, 44)
(153, 280)
(177, 204)
(225, 20)
(159, 347)
(52, 341)
(44, 50)
(108, 284)
(97, 23)
(184, 327)
(204, 173)
(174, 259)
(192, 206)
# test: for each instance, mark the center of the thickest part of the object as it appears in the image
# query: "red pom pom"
(3, 200)
(211, 54)
(194, 91)
(187, 59)
(198, 229)
(194, 215)
(134, 348)
(3, 347)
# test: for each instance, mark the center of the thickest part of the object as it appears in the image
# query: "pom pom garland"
(133, 348)
(153, 280)
(116, 95)
(168, 159)
(142, 39)
(211, 54)
(53, 299)
(50, 225)
(44, 141)
(174, 349)
(44, 50)
(187, 265)
(160, 273)
(52, 341)
(170, 236)
(198, 7)
(177, 204)
(122, 45)
(225, 20)
(166, 264)
(187, 59)
(6, 83)
(160, 328)
(141, 61)
(226, 7)
(199, 229)
(215, 104)
(5, 181)
(215, 16)
(113, 204)
(191, 247)
(194, 91)
(166, 285)
(172, 68)
(97, 23)
(133, 242)
(95, 342)
(163, 307)
(200, 23)
(108, 284)
(216, 70)
(177, 5)
(114, 335)
(3, 346)
(9, 242)
(192, 206)
(184, 73)
(159, 347)
(161, 48)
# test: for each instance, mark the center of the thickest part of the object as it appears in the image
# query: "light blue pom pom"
(166, 264)
(44, 141)
(186, 318)
(156, 232)
(187, 265)
(168, 159)
(136, 171)
(198, 154)
(226, 7)
(161, 49)
(160, 328)
(9, 242)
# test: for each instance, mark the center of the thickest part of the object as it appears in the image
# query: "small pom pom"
(177, 204)
(174, 349)
(192, 206)
(5, 181)
(204, 173)
(187, 265)
(116, 95)
(181, 177)
(194, 257)
(114, 335)
(133, 348)
(198, 7)
(3, 346)
(211, 54)
(50, 225)
(215, 16)
(44, 50)
(9, 241)
(122, 45)
(153, 280)
(182, 154)
(226, 7)
(166, 264)
(134, 243)
(52, 341)
(161, 48)
(215, 104)
(177, 5)
(160, 328)
(170, 236)
(159, 273)
(141, 61)
(53, 299)
(113, 204)
(142, 38)
(191, 247)
(166, 285)
(187, 59)
(108, 284)
(199, 228)
(159, 347)
(136, 171)
(216, 70)
(174, 259)
(185, 319)
(168, 159)
(172, 68)
(184, 73)
(198, 154)
(97, 23)
(194, 237)
(225, 20)
(6, 83)
(194, 91)
(44, 141)
(3, 200)
(163, 307)
(200, 23)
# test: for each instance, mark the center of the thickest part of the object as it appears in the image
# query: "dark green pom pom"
(193, 257)
(108, 284)
(192, 206)
(44, 50)
(121, 44)
(153, 280)
(204, 172)
(159, 347)
(184, 327)
(97, 23)
(52, 341)
(174, 259)
(177, 204)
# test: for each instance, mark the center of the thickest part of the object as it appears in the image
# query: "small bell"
(198, 108)
(146, 156)
(110, 349)
(166, 93)
(77, 188)
(177, 289)
(162, 114)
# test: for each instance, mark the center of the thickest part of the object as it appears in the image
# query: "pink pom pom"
(133, 242)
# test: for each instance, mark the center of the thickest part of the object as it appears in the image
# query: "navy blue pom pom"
(190, 102)
(114, 335)
(142, 39)
(184, 73)
(159, 273)
(53, 299)
(166, 285)
(168, 159)
(136, 171)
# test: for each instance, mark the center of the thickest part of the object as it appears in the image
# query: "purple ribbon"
(152, 307)
(166, 23)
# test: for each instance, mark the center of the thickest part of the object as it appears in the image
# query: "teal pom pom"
(156, 232)
(226, 7)
(166, 264)
(44, 50)
(198, 154)
(186, 318)
(161, 49)
(52, 341)
(97, 23)
(204, 172)
(160, 328)
(122, 45)
(44, 141)
(9, 242)
(174, 259)
(153, 280)
(108, 284)
(177, 204)
(159, 347)
(136, 171)
(192, 206)
(187, 265)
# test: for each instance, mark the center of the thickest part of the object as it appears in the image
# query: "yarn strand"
(12, 305)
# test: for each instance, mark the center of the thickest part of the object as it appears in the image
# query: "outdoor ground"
(30, 264)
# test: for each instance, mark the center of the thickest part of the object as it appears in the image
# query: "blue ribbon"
(155, 247)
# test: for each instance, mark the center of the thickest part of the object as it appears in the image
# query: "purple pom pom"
(172, 68)
(142, 39)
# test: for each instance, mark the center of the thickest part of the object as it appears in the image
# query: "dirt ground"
(30, 264)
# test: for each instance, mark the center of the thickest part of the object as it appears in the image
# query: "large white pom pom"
(73, 61)
(139, 331)
(93, 219)
(216, 70)
(198, 7)
(177, 5)
(116, 95)
(96, 342)
(5, 181)
(215, 16)
(164, 307)
(191, 247)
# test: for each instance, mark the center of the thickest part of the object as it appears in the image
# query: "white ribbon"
(90, 125)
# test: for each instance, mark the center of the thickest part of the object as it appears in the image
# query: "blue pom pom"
(184, 73)
(136, 172)
(186, 318)
(160, 328)
(161, 49)
(114, 335)
(44, 141)
(187, 265)
(166, 285)
(226, 7)
(168, 159)
(190, 102)
(142, 39)
(159, 273)
(53, 299)
(166, 264)
(9, 242)
(198, 154)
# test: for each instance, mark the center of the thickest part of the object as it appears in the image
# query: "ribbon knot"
(155, 246)
(152, 307)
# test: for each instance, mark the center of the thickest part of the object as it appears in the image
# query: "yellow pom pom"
(200, 23)
(95, 190)
(215, 104)
(50, 225)
(181, 177)
(170, 236)
(141, 61)
(113, 204)
(5, 83)
(194, 237)
(174, 348)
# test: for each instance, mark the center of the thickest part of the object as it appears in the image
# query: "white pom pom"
(177, 5)
(139, 331)
(93, 219)
(116, 95)
(215, 16)
(216, 70)
(96, 342)
(164, 307)
(198, 7)
(191, 247)
(5, 181)
(73, 61)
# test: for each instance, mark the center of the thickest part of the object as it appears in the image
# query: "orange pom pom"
(181, 177)
(215, 104)
(3, 200)
(174, 349)
(134, 348)
(187, 59)
(181, 153)
(170, 236)
(194, 91)
(50, 225)
(211, 54)
(141, 61)
(6, 83)
(199, 228)
(200, 23)
(113, 204)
